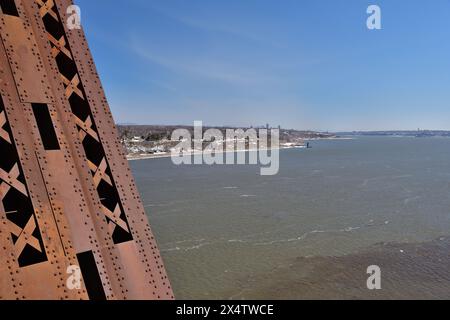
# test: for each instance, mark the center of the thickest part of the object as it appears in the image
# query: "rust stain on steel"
(67, 196)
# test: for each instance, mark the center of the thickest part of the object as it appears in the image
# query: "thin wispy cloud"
(199, 67)
(227, 29)
(215, 26)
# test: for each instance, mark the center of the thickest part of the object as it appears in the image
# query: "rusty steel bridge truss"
(67, 196)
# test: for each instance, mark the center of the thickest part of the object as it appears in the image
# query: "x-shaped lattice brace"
(86, 128)
(115, 218)
(25, 236)
(72, 86)
(46, 7)
(100, 172)
(10, 179)
(3, 133)
(59, 46)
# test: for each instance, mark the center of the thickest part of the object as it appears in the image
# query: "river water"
(312, 230)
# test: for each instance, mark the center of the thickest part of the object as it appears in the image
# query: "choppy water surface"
(312, 230)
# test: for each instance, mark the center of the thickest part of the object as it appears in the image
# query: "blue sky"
(301, 64)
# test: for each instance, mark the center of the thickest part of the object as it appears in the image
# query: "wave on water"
(195, 244)
(408, 200)
(198, 246)
(199, 243)
(306, 234)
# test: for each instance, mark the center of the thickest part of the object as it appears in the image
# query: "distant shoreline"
(169, 154)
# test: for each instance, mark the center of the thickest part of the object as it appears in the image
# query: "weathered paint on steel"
(76, 198)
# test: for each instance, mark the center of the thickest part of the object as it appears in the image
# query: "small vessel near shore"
(297, 145)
